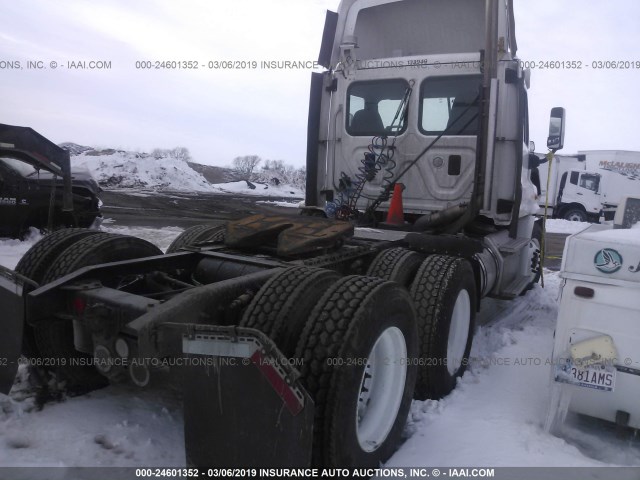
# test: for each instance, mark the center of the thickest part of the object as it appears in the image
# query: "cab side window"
(574, 178)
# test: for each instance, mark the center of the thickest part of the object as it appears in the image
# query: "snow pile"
(122, 169)
(260, 189)
(74, 148)
(12, 250)
(557, 225)
(275, 203)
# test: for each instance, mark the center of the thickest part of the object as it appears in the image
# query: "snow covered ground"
(261, 189)
(558, 225)
(494, 417)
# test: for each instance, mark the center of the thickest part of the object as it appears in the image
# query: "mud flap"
(243, 403)
(11, 324)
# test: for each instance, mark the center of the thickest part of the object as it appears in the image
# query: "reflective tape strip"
(218, 347)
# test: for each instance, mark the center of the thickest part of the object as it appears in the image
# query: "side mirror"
(556, 129)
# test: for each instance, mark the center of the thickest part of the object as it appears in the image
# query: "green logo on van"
(608, 260)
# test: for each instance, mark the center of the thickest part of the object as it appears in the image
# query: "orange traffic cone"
(395, 215)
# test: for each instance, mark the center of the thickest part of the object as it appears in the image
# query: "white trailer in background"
(623, 161)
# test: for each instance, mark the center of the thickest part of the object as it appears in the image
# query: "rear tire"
(197, 234)
(282, 306)
(444, 294)
(354, 348)
(35, 264)
(54, 337)
(396, 264)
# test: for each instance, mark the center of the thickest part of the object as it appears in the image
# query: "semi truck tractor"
(302, 340)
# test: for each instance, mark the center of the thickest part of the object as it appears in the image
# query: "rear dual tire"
(54, 337)
(36, 262)
(444, 294)
(443, 291)
(354, 336)
(196, 235)
(283, 305)
(396, 264)
(360, 323)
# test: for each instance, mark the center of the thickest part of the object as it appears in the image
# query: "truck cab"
(35, 191)
(586, 195)
(579, 197)
(442, 110)
(391, 91)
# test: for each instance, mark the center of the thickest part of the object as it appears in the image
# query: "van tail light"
(584, 292)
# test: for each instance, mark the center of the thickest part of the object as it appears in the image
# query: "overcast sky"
(220, 114)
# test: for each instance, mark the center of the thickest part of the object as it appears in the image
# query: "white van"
(596, 359)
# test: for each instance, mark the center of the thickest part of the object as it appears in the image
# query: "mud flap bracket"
(243, 402)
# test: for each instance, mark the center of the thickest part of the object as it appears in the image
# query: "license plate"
(596, 377)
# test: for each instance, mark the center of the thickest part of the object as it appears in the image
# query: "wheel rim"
(381, 389)
(575, 217)
(458, 331)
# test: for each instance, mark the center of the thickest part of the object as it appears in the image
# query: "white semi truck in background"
(589, 185)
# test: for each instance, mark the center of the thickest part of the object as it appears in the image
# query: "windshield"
(372, 107)
(18, 166)
(450, 102)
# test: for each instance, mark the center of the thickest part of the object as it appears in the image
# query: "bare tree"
(159, 153)
(181, 153)
(244, 166)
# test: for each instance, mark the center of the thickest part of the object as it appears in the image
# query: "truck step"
(514, 245)
(515, 288)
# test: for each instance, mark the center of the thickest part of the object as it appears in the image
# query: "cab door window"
(450, 104)
(374, 107)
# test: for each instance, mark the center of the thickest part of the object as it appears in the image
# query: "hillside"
(213, 174)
